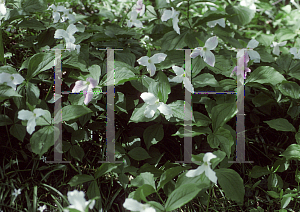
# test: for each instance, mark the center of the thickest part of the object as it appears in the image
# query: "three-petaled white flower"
(56, 10)
(249, 4)
(31, 117)
(16, 192)
(220, 21)
(2, 7)
(174, 15)
(149, 62)
(205, 167)
(168, 1)
(252, 53)
(276, 45)
(86, 86)
(181, 77)
(67, 15)
(11, 80)
(68, 36)
(294, 52)
(139, 7)
(205, 52)
(78, 202)
(42, 208)
(153, 104)
(133, 20)
(133, 205)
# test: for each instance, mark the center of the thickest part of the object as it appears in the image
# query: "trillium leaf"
(79, 179)
(281, 125)
(138, 153)
(70, 112)
(264, 75)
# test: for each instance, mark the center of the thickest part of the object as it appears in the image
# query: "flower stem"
(208, 199)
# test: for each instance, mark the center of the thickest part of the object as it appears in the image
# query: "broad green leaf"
(181, 195)
(153, 134)
(139, 116)
(201, 120)
(205, 80)
(201, 180)
(178, 108)
(223, 138)
(265, 74)
(1, 47)
(7, 92)
(281, 124)
(195, 132)
(292, 152)
(258, 171)
(143, 191)
(283, 34)
(285, 201)
(79, 179)
(198, 65)
(33, 6)
(95, 72)
(142, 83)
(232, 184)
(70, 112)
(222, 113)
(77, 152)
(33, 93)
(32, 24)
(18, 131)
(94, 191)
(243, 14)
(265, 39)
(143, 178)
(168, 175)
(123, 73)
(39, 63)
(105, 168)
(138, 153)
(163, 88)
(290, 89)
(172, 40)
(43, 139)
(5, 120)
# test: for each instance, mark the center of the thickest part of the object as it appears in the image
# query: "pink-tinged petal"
(39, 112)
(211, 175)
(165, 109)
(252, 44)
(208, 156)
(195, 172)
(149, 98)
(31, 125)
(209, 58)
(177, 79)
(25, 114)
(234, 70)
(188, 85)
(211, 43)
(80, 86)
(133, 205)
(143, 61)
(157, 58)
(246, 70)
(166, 15)
(178, 70)
(93, 83)
(150, 110)
(196, 52)
(88, 97)
(151, 67)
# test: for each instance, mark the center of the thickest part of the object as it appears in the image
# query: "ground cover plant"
(151, 80)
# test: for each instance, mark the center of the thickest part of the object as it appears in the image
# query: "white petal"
(254, 56)
(18, 79)
(252, 44)
(211, 175)
(209, 58)
(79, 86)
(129, 23)
(177, 79)
(2, 9)
(166, 15)
(282, 43)
(208, 156)
(151, 67)
(31, 125)
(178, 70)
(5, 77)
(138, 23)
(175, 25)
(92, 204)
(71, 29)
(221, 22)
(150, 110)
(212, 23)
(39, 112)
(143, 61)
(188, 85)
(132, 204)
(196, 52)
(165, 109)
(211, 43)
(293, 50)
(93, 83)
(25, 114)
(195, 172)
(157, 58)
(88, 97)
(149, 98)
(60, 33)
(56, 16)
(276, 50)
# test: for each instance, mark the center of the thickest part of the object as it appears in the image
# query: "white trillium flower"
(294, 52)
(140, 7)
(276, 45)
(205, 52)
(249, 3)
(133, 20)
(154, 104)
(67, 15)
(205, 167)
(16, 192)
(78, 202)
(86, 86)
(181, 77)
(252, 53)
(174, 15)
(168, 1)
(11, 80)
(31, 117)
(42, 208)
(56, 10)
(220, 21)
(149, 62)
(134, 205)
(2, 7)
(68, 36)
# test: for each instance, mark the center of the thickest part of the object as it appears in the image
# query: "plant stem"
(208, 199)
(34, 198)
